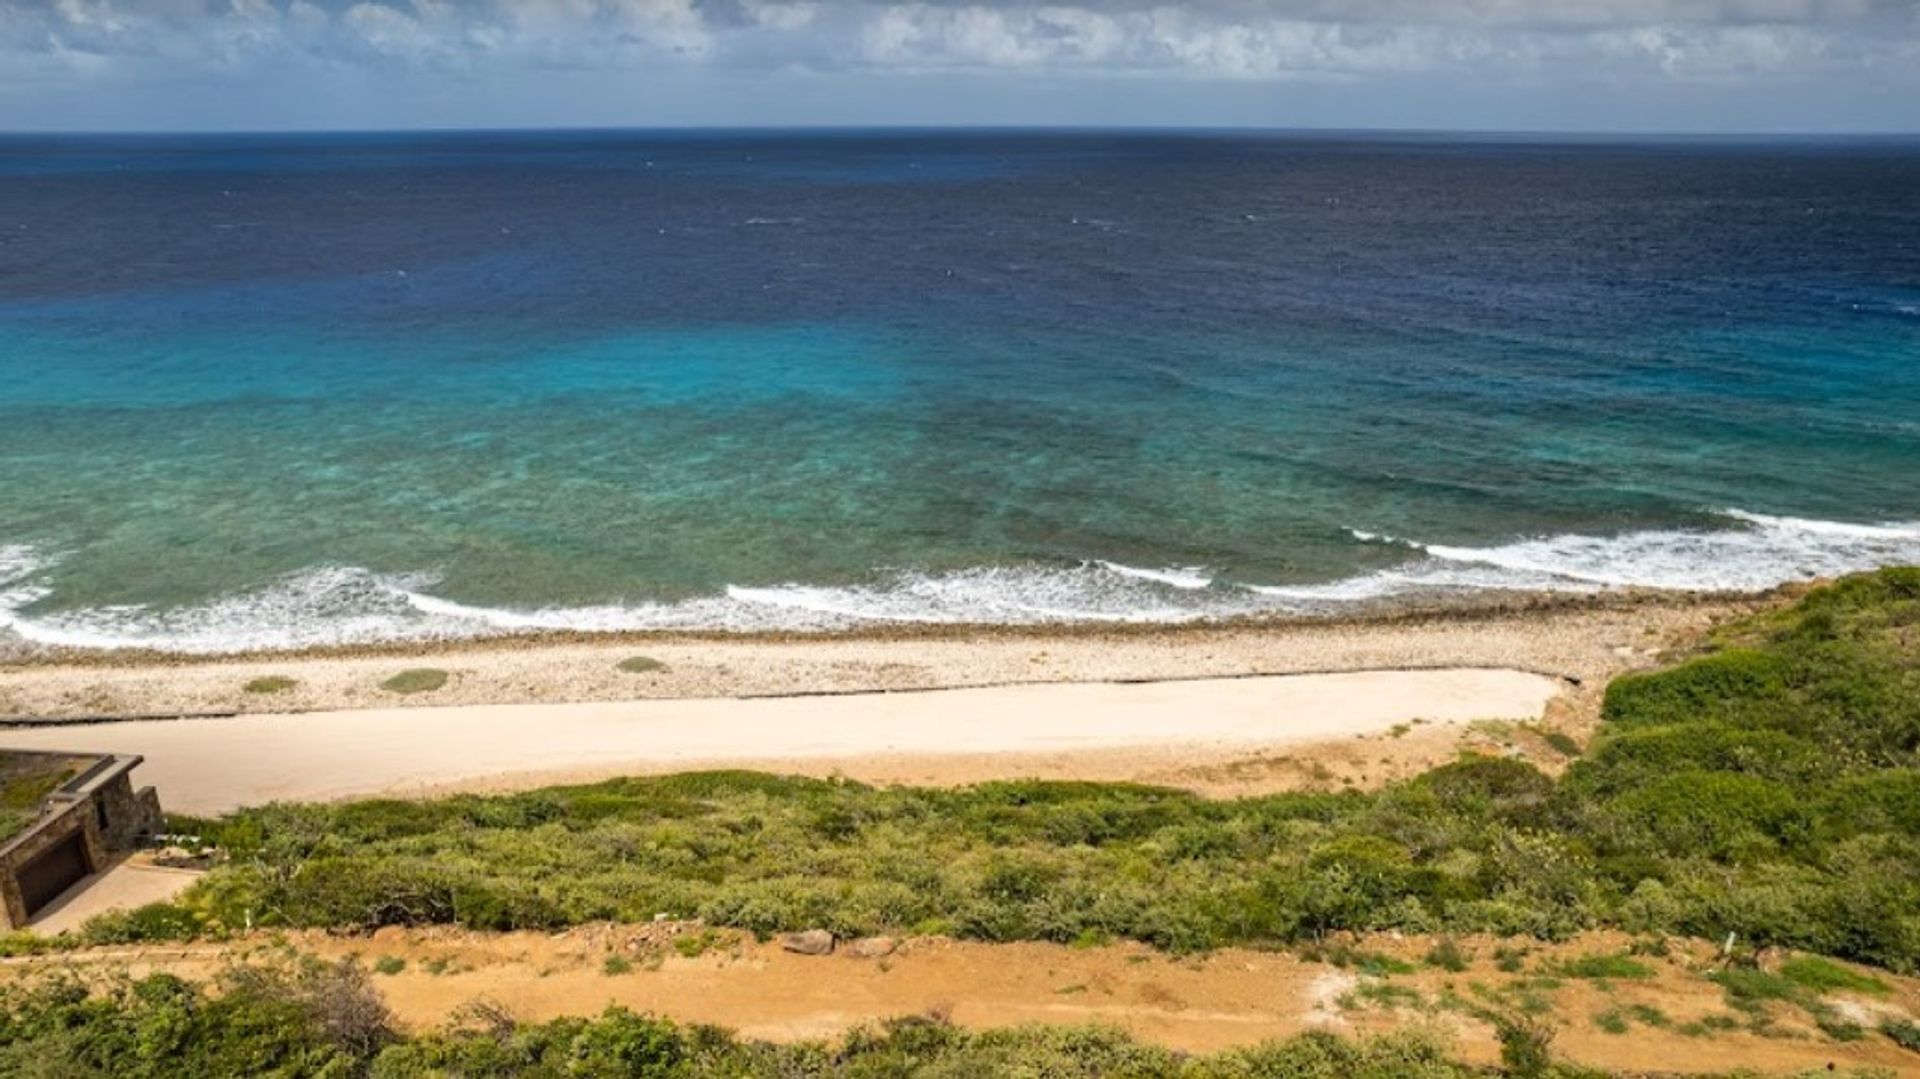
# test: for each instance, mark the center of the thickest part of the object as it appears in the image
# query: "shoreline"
(1585, 643)
(735, 703)
(1463, 610)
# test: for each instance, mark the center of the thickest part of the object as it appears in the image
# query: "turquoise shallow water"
(267, 393)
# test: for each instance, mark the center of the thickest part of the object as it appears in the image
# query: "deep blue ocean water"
(260, 391)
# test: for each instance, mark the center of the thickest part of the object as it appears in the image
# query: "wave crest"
(334, 605)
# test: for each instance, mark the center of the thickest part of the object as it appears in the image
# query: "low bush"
(416, 680)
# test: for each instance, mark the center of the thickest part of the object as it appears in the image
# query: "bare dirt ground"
(1675, 1021)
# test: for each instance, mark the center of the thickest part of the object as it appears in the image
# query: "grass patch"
(1904, 1033)
(1562, 743)
(615, 965)
(26, 779)
(1387, 995)
(270, 685)
(1649, 1015)
(1376, 964)
(389, 965)
(416, 680)
(1821, 975)
(641, 665)
(695, 945)
(1604, 966)
(1510, 959)
(1746, 987)
(1834, 1025)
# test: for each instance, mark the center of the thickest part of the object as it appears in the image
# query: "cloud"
(1864, 47)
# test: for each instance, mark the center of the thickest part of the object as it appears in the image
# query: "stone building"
(66, 815)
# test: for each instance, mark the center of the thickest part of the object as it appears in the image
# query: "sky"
(1537, 65)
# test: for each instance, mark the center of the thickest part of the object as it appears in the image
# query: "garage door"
(43, 879)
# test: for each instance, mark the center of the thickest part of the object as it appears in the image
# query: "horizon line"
(1588, 134)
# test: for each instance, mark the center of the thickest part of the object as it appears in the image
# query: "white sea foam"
(1191, 578)
(344, 605)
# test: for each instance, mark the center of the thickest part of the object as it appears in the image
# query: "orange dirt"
(1228, 998)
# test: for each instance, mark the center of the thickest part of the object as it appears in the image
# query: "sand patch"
(210, 765)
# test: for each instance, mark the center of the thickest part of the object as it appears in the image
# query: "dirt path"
(1229, 998)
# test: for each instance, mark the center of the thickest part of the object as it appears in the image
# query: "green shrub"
(641, 665)
(270, 684)
(1526, 1047)
(153, 922)
(389, 965)
(1447, 955)
(1716, 688)
(415, 680)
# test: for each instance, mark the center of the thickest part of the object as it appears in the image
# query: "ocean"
(285, 391)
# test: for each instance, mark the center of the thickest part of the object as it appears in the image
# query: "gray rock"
(811, 942)
(872, 947)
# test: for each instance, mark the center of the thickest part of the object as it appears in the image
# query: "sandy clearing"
(211, 765)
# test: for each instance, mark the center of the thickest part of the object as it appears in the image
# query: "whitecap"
(335, 605)
(1190, 578)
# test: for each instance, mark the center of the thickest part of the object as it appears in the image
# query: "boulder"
(872, 947)
(811, 942)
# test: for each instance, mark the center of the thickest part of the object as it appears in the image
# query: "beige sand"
(206, 765)
(1588, 643)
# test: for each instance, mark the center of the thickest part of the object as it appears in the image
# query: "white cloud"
(1495, 45)
(1221, 38)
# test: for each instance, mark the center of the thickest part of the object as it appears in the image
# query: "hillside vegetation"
(328, 1022)
(1766, 788)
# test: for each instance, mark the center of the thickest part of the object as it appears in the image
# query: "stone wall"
(50, 832)
(124, 816)
(102, 804)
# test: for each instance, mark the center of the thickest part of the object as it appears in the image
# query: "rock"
(872, 947)
(811, 942)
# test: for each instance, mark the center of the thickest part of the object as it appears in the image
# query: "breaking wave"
(333, 605)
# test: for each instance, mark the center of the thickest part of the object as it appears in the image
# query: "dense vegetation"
(1766, 788)
(328, 1022)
